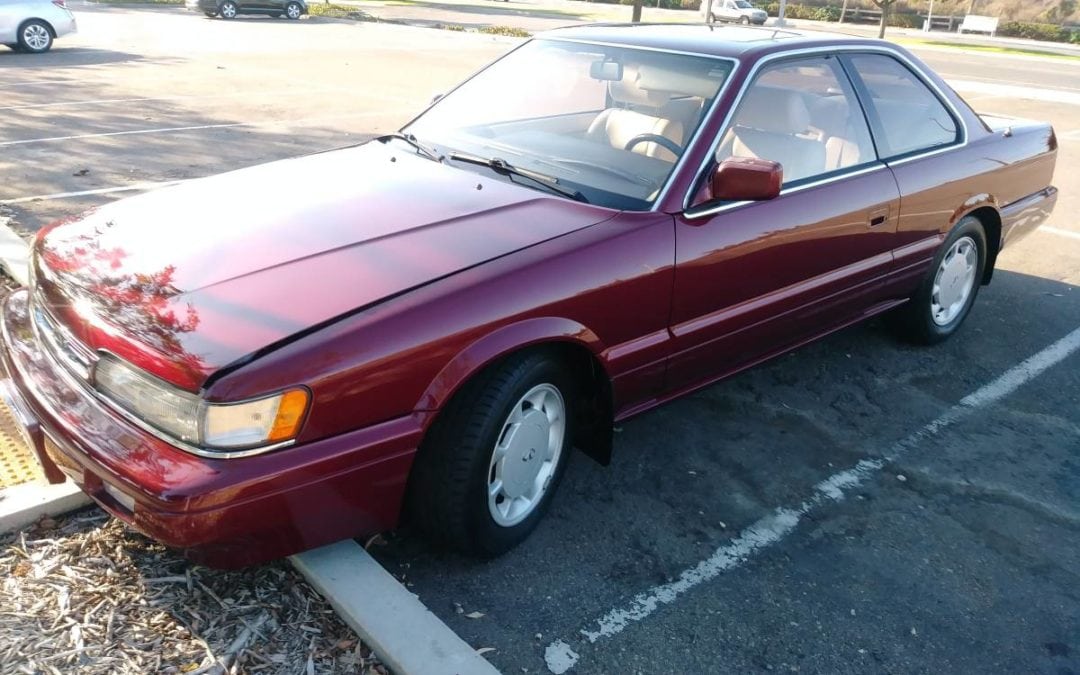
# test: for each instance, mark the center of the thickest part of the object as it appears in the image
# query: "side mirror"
(738, 179)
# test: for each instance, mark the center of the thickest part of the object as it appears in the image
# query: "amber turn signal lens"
(290, 415)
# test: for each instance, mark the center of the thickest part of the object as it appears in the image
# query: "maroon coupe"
(425, 325)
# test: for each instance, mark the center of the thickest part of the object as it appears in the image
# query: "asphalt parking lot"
(857, 506)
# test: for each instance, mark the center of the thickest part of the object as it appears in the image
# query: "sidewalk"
(541, 15)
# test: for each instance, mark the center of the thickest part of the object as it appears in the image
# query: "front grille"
(59, 342)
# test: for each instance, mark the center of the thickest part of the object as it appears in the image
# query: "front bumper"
(220, 512)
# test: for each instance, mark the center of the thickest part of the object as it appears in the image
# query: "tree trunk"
(708, 11)
(843, 11)
(884, 21)
(636, 16)
(971, 7)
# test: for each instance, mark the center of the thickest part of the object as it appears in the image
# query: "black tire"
(228, 10)
(12, 46)
(293, 11)
(35, 37)
(744, 20)
(448, 488)
(914, 321)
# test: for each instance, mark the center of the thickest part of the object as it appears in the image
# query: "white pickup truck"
(736, 11)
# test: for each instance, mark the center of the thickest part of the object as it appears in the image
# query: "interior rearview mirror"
(738, 179)
(606, 71)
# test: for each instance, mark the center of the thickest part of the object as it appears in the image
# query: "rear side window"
(910, 118)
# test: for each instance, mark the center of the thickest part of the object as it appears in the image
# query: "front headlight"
(187, 418)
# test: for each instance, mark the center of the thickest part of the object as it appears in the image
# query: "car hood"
(186, 280)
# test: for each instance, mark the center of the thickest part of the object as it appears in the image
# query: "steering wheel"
(654, 138)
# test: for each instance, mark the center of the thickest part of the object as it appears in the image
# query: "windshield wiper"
(501, 166)
(411, 139)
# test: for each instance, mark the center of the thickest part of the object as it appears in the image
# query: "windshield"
(606, 122)
(743, 4)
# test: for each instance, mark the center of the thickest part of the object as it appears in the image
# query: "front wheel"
(228, 10)
(293, 10)
(948, 291)
(35, 37)
(745, 20)
(487, 471)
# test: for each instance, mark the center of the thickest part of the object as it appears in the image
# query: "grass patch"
(139, 2)
(338, 11)
(508, 31)
(993, 49)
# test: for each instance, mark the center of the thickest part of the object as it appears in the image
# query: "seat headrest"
(830, 114)
(629, 91)
(781, 111)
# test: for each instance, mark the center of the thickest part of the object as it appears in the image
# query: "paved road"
(960, 552)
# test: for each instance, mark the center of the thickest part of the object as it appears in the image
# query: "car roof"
(712, 40)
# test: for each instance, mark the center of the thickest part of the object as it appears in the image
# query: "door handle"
(879, 217)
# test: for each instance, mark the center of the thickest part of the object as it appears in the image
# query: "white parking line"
(560, 655)
(1015, 91)
(168, 130)
(1060, 232)
(85, 193)
(179, 97)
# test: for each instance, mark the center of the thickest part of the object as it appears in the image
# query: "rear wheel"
(228, 10)
(35, 37)
(293, 10)
(490, 465)
(948, 291)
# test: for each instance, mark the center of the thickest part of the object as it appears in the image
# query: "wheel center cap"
(525, 455)
(952, 278)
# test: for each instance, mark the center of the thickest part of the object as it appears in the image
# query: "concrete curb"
(14, 253)
(24, 504)
(390, 619)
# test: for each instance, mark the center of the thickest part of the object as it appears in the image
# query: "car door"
(752, 278)
(729, 12)
(10, 15)
(913, 126)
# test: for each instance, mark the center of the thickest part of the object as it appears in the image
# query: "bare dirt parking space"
(845, 508)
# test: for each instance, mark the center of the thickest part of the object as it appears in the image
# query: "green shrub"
(1037, 31)
(905, 20)
(827, 13)
(504, 30)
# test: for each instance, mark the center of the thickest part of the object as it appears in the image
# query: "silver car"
(738, 11)
(32, 25)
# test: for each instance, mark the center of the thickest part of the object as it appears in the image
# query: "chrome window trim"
(828, 51)
(699, 212)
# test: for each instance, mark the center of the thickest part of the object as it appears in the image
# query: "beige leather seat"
(640, 112)
(831, 115)
(768, 125)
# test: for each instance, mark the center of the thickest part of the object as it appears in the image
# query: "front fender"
(501, 342)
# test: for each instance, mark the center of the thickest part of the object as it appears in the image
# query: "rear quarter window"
(910, 117)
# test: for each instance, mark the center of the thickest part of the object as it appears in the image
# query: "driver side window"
(804, 115)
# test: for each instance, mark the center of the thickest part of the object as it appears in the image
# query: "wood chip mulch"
(86, 595)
